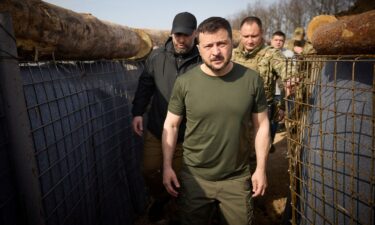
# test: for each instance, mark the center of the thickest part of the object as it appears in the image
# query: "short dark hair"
(251, 20)
(213, 24)
(278, 33)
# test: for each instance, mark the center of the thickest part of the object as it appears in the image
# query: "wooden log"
(44, 29)
(158, 37)
(348, 35)
(145, 47)
(318, 21)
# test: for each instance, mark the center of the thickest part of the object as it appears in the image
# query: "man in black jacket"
(162, 67)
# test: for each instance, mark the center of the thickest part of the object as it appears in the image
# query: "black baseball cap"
(184, 23)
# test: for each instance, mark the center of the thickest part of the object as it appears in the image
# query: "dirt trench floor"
(269, 208)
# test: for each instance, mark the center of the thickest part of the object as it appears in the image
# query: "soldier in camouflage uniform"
(269, 62)
(302, 48)
(298, 44)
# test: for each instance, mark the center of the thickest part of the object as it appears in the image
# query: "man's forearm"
(169, 140)
(261, 150)
(262, 141)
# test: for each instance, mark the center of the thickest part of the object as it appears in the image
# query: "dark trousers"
(272, 111)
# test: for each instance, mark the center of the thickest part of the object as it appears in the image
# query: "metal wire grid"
(86, 155)
(331, 145)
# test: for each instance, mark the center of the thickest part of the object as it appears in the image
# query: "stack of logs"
(44, 30)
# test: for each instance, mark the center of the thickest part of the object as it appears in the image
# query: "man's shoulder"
(188, 75)
(247, 70)
(237, 53)
(236, 50)
(157, 51)
(270, 52)
(249, 74)
(270, 49)
(155, 55)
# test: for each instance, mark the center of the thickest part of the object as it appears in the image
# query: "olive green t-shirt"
(217, 111)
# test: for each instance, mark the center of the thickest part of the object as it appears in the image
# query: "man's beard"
(182, 51)
(226, 62)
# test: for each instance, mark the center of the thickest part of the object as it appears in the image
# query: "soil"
(269, 208)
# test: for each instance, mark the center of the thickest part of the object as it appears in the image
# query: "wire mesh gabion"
(86, 154)
(331, 147)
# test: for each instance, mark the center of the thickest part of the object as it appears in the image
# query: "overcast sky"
(153, 14)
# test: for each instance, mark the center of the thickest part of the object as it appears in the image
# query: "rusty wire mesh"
(331, 146)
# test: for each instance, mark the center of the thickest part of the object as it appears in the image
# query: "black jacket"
(161, 70)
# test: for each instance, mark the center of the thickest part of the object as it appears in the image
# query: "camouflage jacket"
(307, 46)
(267, 61)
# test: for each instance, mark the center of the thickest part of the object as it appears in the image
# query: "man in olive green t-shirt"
(218, 98)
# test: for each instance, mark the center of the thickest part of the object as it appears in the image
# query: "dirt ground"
(269, 208)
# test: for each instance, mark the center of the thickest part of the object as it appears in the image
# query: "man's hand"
(290, 85)
(259, 180)
(170, 181)
(137, 125)
(280, 115)
(298, 49)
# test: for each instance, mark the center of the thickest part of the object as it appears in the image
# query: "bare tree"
(286, 15)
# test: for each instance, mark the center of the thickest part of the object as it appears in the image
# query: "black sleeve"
(145, 89)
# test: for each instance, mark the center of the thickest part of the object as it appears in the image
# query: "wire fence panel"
(331, 130)
(87, 156)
